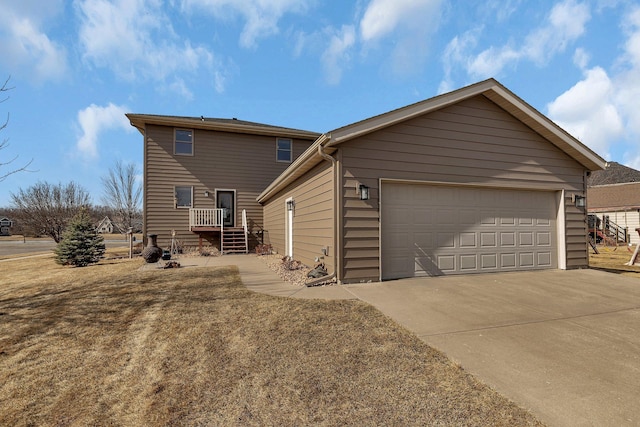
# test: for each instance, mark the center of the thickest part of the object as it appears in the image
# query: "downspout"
(336, 244)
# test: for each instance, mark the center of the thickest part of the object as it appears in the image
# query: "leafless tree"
(5, 142)
(46, 209)
(123, 194)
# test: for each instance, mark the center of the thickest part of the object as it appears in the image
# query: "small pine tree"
(81, 244)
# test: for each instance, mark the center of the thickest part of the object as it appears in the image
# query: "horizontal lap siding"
(313, 216)
(474, 142)
(576, 235)
(221, 160)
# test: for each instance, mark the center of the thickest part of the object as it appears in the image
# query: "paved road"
(30, 246)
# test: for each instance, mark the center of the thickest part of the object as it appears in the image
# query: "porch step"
(233, 240)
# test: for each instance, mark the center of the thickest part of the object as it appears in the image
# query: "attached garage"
(471, 181)
(431, 230)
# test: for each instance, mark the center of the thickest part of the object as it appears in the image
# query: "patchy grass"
(613, 259)
(111, 345)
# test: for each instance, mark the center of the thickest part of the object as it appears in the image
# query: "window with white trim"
(284, 150)
(184, 196)
(183, 142)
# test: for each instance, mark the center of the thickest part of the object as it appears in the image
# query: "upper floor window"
(183, 142)
(284, 150)
(184, 196)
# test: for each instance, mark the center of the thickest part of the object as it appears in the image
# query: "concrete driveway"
(563, 344)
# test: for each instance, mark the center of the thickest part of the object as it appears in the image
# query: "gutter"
(337, 246)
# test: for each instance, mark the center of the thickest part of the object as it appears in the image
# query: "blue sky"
(78, 66)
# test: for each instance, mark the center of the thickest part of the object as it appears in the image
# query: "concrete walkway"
(563, 344)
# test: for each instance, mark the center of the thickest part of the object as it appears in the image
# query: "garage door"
(436, 230)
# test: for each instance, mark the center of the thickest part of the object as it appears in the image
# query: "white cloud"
(491, 61)
(410, 25)
(454, 53)
(384, 16)
(179, 87)
(602, 109)
(25, 48)
(632, 45)
(565, 23)
(581, 58)
(94, 120)
(589, 112)
(336, 57)
(628, 80)
(261, 17)
(501, 9)
(136, 40)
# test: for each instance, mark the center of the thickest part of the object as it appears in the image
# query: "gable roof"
(225, 125)
(614, 197)
(491, 89)
(614, 173)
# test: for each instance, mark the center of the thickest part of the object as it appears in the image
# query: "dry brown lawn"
(613, 259)
(112, 345)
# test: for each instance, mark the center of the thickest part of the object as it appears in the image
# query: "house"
(5, 226)
(617, 206)
(613, 173)
(106, 226)
(471, 181)
(202, 177)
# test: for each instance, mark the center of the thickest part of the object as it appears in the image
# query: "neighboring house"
(201, 174)
(5, 226)
(617, 206)
(471, 181)
(106, 226)
(613, 173)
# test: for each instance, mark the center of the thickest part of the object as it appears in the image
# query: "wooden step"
(233, 240)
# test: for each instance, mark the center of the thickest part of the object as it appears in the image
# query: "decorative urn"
(152, 253)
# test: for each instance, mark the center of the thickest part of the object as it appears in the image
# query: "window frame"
(176, 142)
(175, 196)
(290, 151)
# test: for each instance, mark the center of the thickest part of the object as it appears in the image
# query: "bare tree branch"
(5, 143)
(46, 208)
(123, 195)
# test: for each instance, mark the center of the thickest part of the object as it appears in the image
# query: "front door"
(226, 200)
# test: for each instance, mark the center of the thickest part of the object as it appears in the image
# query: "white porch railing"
(215, 218)
(244, 226)
(206, 218)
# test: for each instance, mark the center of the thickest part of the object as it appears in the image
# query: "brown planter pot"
(152, 253)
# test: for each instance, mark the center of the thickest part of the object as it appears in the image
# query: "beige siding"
(576, 235)
(221, 160)
(313, 216)
(474, 142)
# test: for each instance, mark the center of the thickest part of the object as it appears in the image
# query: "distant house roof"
(226, 125)
(490, 88)
(106, 222)
(614, 197)
(614, 173)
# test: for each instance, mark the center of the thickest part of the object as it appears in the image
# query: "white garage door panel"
(434, 230)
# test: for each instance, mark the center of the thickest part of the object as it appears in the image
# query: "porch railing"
(206, 218)
(245, 227)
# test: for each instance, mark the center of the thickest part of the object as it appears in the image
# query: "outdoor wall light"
(206, 193)
(290, 205)
(580, 201)
(363, 192)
